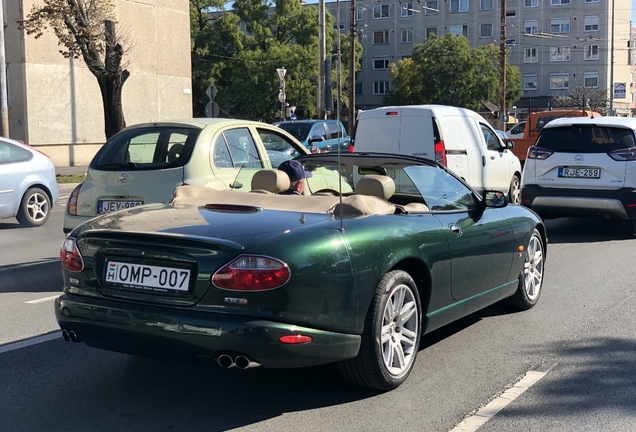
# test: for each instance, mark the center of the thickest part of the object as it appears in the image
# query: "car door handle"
(455, 230)
(492, 157)
(483, 160)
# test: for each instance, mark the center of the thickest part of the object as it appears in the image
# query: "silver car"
(28, 187)
(143, 164)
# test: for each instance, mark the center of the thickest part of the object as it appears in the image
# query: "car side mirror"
(510, 145)
(496, 199)
(315, 138)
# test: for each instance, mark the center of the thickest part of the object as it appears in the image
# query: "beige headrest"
(273, 181)
(376, 185)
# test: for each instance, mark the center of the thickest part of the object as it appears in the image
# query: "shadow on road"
(587, 230)
(39, 276)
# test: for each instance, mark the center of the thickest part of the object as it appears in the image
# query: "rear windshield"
(148, 148)
(586, 139)
(297, 130)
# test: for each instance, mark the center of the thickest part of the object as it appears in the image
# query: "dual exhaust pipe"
(240, 361)
(70, 336)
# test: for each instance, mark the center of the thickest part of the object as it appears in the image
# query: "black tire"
(514, 192)
(531, 275)
(375, 367)
(35, 208)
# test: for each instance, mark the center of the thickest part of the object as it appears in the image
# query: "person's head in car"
(297, 176)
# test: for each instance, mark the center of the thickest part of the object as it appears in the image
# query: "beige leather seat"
(376, 185)
(270, 181)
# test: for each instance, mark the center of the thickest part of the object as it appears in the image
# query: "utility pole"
(352, 68)
(338, 65)
(502, 69)
(322, 54)
(3, 78)
(611, 101)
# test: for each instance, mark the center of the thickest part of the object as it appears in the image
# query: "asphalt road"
(579, 342)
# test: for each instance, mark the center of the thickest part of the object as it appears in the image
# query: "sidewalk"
(69, 170)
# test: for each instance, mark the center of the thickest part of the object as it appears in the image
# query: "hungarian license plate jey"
(108, 206)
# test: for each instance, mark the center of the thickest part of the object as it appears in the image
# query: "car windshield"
(586, 139)
(147, 148)
(414, 183)
(297, 130)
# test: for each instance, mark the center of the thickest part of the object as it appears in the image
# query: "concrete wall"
(56, 103)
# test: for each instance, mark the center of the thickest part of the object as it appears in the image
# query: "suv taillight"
(70, 256)
(252, 273)
(538, 153)
(621, 155)
(440, 153)
(71, 206)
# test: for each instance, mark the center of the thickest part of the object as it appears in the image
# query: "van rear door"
(378, 130)
(416, 133)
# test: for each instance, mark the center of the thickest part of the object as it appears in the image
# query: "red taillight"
(621, 155)
(71, 206)
(538, 153)
(440, 153)
(391, 113)
(295, 339)
(70, 256)
(351, 150)
(252, 273)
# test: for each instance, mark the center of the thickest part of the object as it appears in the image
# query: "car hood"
(242, 225)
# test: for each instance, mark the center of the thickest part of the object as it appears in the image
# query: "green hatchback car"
(384, 249)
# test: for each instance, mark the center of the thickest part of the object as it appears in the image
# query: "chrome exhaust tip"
(66, 336)
(74, 338)
(225, 361)
(243, 362)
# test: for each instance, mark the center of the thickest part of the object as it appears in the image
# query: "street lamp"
(281, 94)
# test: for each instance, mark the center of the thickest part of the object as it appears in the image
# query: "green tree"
(447, 71)
(242, 64)
(87, 29)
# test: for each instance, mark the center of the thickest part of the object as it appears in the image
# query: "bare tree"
(581, 97)
(87, 28)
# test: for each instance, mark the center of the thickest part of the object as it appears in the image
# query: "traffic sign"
(281, 73)
(211, 91)
(212, 109)
(292, 117)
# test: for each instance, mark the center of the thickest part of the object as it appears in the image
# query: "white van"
(458, 138)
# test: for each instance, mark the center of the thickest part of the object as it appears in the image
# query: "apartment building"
(55, 103)
(556, 44)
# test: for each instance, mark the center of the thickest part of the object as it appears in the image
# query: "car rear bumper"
(619, 203)
(155, 331)
(70, 222)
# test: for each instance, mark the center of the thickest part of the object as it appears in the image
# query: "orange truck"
(534, 124)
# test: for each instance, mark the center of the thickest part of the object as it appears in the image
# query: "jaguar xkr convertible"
(380, 250)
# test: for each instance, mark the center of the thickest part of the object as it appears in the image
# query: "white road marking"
(42, 300)
(29, 342)
(474, 422)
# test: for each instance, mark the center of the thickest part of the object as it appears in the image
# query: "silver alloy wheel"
(533, 268)
(400, 327)
(37, 207)
(515, 191)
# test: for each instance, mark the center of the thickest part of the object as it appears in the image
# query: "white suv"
(583, 167)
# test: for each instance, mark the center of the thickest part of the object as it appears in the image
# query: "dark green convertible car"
(380, 250)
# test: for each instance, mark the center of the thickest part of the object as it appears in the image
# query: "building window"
(359, 14)
(559, 81)
(511, 42)
(559, 54)
(591, 52)
(430, 31)
(342, 27)
(531, 3)
(407, 9)
(560, 25)
(458, 6)
(559, 2)
(590, 79)
(406, 35)
(531, 26)
(431, 8)
(591, 1)
(530, 55)
(358, 88)
(380, 63)
(380, 87)
(485, 5)
(380, 11)
(530, 82)
(381, 37)
(511, 14)
(459, 30)
(485, 30)
(591, 23)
